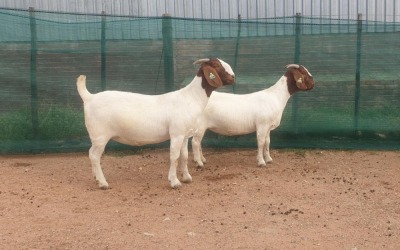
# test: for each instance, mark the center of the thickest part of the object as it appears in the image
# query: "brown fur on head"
(213, 75)
(298, 78)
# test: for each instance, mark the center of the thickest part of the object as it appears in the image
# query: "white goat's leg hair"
(183, 159)
(175, 150)
(267, 156)
(261, 135)
(95, 153)
(196, 147)
(201, 154)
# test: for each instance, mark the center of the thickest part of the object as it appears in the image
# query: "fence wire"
(355, 63)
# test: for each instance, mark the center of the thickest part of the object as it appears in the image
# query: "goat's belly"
(140, 135)
(140, 140)
(243, 129)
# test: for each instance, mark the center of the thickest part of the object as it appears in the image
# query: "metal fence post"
(103, 51)
(168, 50)
(237, 47)
(34, 94)
(358, 76)
(297, 53)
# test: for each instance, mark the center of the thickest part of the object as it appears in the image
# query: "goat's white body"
(232, 114)
(137, 119)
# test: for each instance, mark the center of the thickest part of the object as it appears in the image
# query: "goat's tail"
(82, 90)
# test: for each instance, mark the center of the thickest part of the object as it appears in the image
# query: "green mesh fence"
(355, 103)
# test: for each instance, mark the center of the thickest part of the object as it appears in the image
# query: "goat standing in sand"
(260, 112)
(137, 119)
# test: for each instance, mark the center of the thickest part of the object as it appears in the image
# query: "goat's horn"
(200, 61)
(296, 66)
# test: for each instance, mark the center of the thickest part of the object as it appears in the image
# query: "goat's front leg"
(183, 158)
(261, 136)
(267, 156)
(175, 148)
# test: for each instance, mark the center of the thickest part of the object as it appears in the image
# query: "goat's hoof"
(198, 163)
(104, 186)
(187, 179)
(199, 166)
(262, 165)
(176, 184)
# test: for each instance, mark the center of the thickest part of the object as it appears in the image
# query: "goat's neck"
(197, 92)
(280, 90)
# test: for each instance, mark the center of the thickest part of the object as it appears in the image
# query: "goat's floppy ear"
(298, 77)
(212, 76)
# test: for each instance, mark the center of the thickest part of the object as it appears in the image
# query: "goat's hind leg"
(175, 149)
(95, 154)
(267, 156)
(261, 137)
(196, 148)
(183, 159)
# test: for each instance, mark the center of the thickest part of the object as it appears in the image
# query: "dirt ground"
(305, 199)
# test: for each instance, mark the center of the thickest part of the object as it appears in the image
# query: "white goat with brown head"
(137, 119)
(260, 112)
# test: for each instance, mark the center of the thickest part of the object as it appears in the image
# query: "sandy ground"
(305, 199)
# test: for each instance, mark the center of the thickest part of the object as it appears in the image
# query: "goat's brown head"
(215, 73)
(298, 78)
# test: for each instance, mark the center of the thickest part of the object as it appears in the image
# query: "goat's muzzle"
(229, 80)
